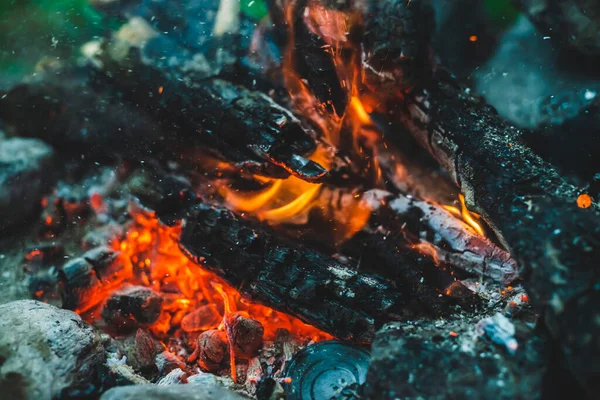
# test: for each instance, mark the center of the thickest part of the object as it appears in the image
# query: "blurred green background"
(31, 29)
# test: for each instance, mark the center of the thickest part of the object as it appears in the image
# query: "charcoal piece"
(26, 174)
(572, 24)
(246, 335)
(267, 268)
(42, 256)
(131, 307)
(530, 207)
(45, 350)
(212, 350)
(169, 82)
(170, 197)
(397, 43)
(325, 369)
(203, 318)
(78, 281)
(83, 281)
(425, 362)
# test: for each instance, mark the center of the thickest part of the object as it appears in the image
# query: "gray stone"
(171, 392)
(26, 174)
(44, 350)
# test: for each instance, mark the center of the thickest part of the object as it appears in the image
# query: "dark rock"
(131, 307)
(170, 392)
(26, 174)
(45, 350)
(407, 363)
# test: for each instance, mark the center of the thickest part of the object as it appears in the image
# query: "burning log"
(529, 206)
(435, 231)
(179, 87)
(273, 270)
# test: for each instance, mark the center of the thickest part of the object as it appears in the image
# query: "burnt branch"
(530, 207)
(181, 89)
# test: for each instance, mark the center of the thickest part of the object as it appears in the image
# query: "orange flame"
(471, 218)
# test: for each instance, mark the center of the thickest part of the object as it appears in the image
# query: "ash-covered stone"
(131, 307)
(171, 392)
(141, 350)
(166, 362)
(446, 360)
(45, 350)
(118, 373)
(26, 174)
(174, 377)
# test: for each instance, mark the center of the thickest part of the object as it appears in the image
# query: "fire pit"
(305, 206)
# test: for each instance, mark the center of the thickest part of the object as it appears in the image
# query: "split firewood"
(180, 88)
(433, 230)
(268, 268)
(535, 213)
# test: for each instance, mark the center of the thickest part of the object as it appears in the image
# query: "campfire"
(307, 206)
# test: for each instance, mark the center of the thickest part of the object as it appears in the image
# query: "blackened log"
(178, 87)
(570, 23)
(266, 267)
(529, 206)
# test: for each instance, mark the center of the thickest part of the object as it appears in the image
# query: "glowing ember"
(584, 200)
(194, 297)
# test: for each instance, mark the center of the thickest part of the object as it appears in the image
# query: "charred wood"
(530, 207)
(132, 307)
(426, 225)
(272, 270)
(180, 88)
(85, 280)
